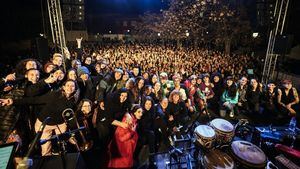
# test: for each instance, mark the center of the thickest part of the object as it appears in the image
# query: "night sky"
(22, 19)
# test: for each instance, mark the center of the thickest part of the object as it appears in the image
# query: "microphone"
(37, 137)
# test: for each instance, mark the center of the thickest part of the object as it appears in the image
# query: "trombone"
(69, 116)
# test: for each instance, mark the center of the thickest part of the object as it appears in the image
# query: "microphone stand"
(62, 150)
(26, 162)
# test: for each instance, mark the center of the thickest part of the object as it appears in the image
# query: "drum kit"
(217, 149)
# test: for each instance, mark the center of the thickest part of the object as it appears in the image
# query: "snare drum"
(248, 155)
(217, 159)
(205, 136)
(224, 130)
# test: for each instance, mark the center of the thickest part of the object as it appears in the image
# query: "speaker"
(41, 49)
(72, 161)
(283, 44)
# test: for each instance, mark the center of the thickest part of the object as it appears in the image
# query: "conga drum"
(216, 159)
(224, 130)
(205, 136)
(248, 155)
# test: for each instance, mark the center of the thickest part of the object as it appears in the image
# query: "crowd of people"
(128, 96)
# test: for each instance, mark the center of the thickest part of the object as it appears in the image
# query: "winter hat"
(82, 70)
(119, 70)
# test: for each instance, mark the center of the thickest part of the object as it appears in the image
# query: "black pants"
(104, 133)
(146, 137)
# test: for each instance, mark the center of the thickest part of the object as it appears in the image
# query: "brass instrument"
(70, 117)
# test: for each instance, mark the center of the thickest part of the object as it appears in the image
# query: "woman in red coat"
(122, 146)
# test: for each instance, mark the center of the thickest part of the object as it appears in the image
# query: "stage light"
(255, 35)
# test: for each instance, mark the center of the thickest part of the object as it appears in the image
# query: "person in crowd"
(125, 78)
(84, 116)
(57, 60)
(194, 102)
(157, 92)
(62, 99)
(116, 105)
(217, 89)
(88, 63)
(75, 64)
(165, 84)
(138, 90)
(288, 100)
(85, 83)
(206, 88)
(146, 77)
(48, 69)
(181, 88)
(123, 144)
(253, 96)
(136, 71)
(146, 128)
(199, 80)
(178, 111)
(269, 102)
(163, 120)
(107, 85)
(147, 92)
(242, 89)
(72, 74)
(154, 79)
(59, 74)
(229, 98)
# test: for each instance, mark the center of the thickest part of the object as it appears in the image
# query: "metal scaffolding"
(57, 27)
(280, 12)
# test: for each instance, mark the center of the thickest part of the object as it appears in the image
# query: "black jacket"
(55, 102)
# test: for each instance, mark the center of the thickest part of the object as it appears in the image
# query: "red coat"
(123, 144)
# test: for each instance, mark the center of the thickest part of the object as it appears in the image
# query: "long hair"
(81, 104)
(134, 108)
(175, 92)
(148, 98)
(231, 90)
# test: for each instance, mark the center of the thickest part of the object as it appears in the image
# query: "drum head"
(222, 125)
(205, 131)
(249, 153)
(217, 159)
